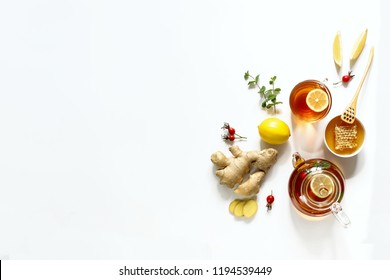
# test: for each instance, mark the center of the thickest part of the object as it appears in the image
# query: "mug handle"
(340, 215)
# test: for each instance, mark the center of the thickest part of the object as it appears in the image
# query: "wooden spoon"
(349, 114)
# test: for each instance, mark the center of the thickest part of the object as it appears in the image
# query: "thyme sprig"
(268, 96)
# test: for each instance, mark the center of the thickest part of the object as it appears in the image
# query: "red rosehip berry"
(302, 175)
(231, 131)
(270, 200)
(345, 79)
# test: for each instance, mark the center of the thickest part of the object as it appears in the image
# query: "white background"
(110, 110)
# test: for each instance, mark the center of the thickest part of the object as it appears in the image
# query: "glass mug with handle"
(310, 101)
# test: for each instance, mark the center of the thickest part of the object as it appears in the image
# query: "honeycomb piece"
(345, 137)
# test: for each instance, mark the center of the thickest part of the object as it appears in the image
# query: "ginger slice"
(238, 210)
(233, 205)
(250, 208)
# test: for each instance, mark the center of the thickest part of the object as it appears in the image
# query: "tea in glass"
(310, 101)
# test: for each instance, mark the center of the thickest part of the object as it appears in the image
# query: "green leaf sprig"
(268, 96)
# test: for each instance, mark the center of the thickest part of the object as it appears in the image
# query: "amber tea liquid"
(298, 101)
(311, 201)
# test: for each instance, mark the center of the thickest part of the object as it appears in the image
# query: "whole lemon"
(274, 131)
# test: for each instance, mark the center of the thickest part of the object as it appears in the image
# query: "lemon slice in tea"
(337, 51)
(317, 100)
(322, 185)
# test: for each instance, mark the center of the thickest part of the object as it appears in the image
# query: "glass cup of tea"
(310, 101)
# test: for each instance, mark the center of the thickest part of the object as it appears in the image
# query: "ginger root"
(232, 171)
